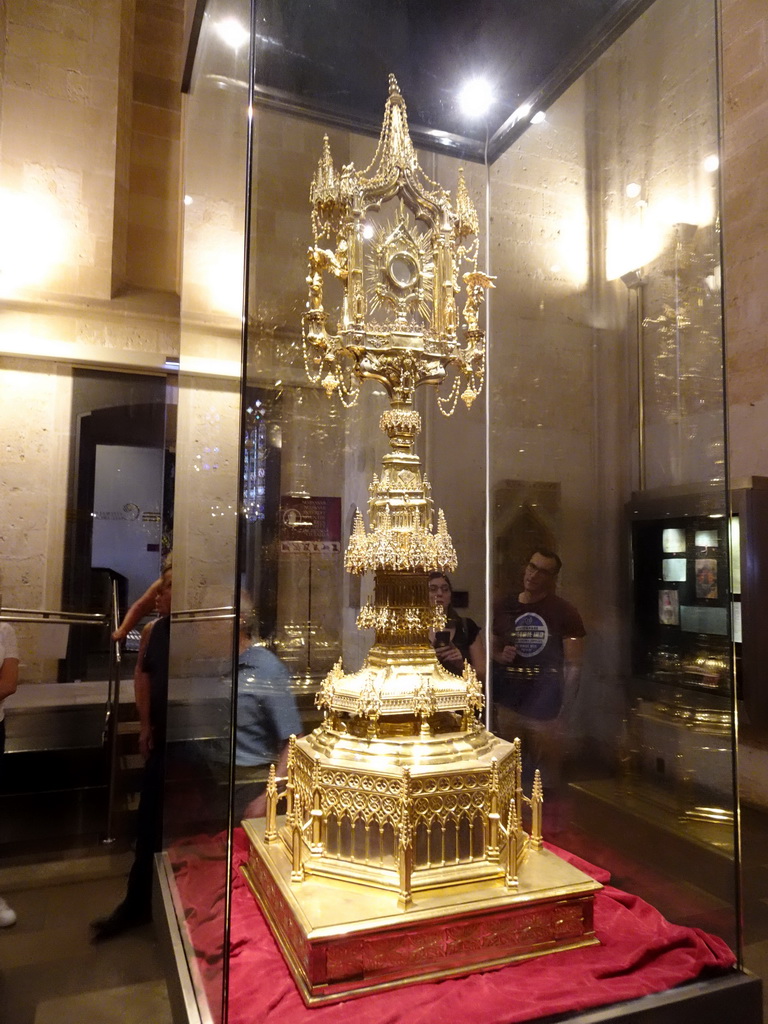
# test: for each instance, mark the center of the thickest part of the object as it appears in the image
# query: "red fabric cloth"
(640, 953)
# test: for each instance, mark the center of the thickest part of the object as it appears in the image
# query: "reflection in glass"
(673, 570)
(706, 539)
(545, 464)
(669, 608)
(704, 619)
(734, 536)
(612, 291)
(673, 541)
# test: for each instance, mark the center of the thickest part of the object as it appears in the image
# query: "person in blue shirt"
(267, 716)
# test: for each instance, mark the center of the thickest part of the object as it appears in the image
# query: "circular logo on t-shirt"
(531, 634)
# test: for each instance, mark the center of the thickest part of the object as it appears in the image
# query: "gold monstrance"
(408, 850)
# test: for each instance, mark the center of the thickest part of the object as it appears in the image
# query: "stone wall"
(152, 238)
(35, 427)
(90, 115)
(745, 225)
(59, 125)
(563, 350)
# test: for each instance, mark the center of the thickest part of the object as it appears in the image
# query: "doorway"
(119, 516)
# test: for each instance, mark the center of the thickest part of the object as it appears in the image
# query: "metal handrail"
(227, 611)
(109, 737)
(112, 707)
(59, 618)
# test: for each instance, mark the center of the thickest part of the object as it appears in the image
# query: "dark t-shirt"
(466, 631)
(533, 684)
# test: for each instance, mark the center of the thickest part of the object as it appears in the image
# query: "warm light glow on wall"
(224, 277)
(637, 236)
(33, 340)
(208, 367)
(570, 250)
(631, 242)
(213, 257)
(697, 207)
(35, 239)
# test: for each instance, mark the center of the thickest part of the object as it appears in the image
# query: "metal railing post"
(112, 717)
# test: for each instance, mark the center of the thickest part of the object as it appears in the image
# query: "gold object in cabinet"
(408, 849)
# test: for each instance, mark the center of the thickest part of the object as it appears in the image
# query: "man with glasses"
(537, 653)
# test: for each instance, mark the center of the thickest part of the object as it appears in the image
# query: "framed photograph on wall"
(669, 608)
(706, 579)
(673, 541)
(673, 570)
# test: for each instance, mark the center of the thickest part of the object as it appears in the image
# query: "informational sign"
(310, 524)
(127, 531)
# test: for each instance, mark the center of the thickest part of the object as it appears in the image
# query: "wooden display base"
(341, 940)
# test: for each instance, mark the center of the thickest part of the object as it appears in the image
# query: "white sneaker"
(7, 915)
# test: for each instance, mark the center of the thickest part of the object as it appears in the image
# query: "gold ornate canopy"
(399, 246)
(408, 849)
(398, 320)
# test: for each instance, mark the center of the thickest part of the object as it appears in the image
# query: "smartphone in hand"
(442, 637)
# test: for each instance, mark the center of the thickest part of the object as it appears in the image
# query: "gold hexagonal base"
(342, 940)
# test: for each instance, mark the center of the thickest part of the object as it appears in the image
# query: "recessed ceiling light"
(711, 162)
(538, 117)
(476, 97)
(633, 190)
(231, 32)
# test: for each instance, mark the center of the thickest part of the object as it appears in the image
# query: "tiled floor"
(49, 971)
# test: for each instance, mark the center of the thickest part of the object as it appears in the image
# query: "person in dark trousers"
(151, 689)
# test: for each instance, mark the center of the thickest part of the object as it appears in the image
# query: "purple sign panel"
(311, 524)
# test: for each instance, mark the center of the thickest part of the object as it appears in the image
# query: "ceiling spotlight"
(231, 32)
(476, 97)
(711, 162)
(188, 200)
(633, 190)
(538, 117)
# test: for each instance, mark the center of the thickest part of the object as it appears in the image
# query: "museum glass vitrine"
(344, 219)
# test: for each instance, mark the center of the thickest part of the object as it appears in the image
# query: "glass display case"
(694, 569)
(591, 378)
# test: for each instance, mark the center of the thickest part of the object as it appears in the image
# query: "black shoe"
(120, 920)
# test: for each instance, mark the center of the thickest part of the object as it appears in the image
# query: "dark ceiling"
(333, 57)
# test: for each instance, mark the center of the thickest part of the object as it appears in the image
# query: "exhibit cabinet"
(490, 349)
